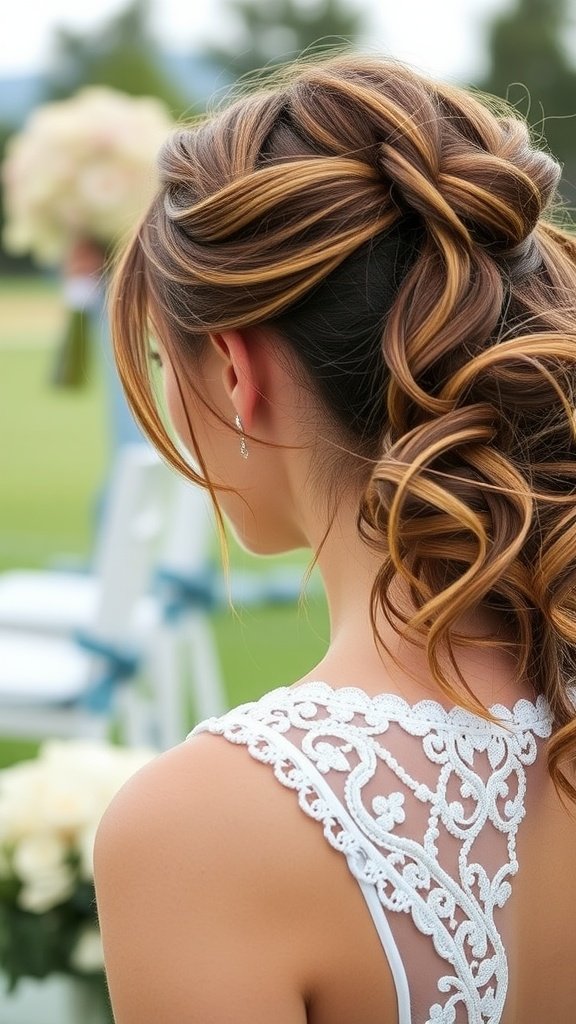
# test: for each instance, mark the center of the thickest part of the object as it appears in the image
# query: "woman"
(366, 323)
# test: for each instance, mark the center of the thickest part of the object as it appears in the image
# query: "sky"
(439, 36)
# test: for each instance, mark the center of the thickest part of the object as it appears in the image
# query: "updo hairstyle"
(397, 236)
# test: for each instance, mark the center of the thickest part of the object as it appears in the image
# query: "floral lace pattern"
(341, 731)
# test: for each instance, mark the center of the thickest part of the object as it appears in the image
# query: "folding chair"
(73, 684)
(183, 656)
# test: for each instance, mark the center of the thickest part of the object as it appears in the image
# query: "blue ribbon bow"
(119, 664)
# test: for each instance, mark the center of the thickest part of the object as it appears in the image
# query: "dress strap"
(295, 771)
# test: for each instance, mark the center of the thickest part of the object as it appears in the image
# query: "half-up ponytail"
(398, 237)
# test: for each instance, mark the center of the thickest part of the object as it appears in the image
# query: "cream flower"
(84, 166)
(38, 856)
(47, 891)
(88, 954)
(58, 798)
(86, 850)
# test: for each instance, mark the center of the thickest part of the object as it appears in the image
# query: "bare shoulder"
(202, 794)
(196, 863)
(190, 775)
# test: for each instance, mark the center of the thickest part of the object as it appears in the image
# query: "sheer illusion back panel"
(427, 805)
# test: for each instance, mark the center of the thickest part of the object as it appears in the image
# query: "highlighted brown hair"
(398, 235)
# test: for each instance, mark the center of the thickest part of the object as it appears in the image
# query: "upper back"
(452, 829)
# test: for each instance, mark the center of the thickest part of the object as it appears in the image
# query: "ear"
(239, 372)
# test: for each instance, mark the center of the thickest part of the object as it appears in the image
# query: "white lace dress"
(428, 825)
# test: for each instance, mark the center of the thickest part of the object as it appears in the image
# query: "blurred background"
(60, 410)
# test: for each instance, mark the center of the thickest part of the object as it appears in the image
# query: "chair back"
(187, 545)
(133, 525)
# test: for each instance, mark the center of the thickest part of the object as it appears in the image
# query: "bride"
(365, 318)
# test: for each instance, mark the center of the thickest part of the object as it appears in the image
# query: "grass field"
(52, 463)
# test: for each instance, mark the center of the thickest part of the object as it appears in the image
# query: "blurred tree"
(267, 34)
(530, 65)
(122, 54)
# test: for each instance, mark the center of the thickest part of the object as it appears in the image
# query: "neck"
(349, 568)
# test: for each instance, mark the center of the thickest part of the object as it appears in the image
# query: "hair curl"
(398, 235)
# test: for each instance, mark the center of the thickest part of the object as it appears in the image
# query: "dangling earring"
(243, 445)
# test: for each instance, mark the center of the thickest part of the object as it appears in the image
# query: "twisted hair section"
(399, 236)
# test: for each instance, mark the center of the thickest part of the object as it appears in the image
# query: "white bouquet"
(50, 808)
(81, 168)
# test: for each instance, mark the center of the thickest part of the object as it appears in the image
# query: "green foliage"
(14, 749)
(279, 30)
(531, 67)
(38, 945)
(122, 54)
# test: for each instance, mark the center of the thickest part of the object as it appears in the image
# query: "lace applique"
(340, 730)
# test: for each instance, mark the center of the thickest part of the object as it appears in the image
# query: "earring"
(243, 445)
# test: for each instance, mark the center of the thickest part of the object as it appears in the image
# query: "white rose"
(38, 856)
(85, 845)
(69, 803)
(47, 891)
(64, 791)
(18, 236)
(22, 794)
(88, 955)
(66, 139)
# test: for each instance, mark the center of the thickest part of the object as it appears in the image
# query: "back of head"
(397, 234)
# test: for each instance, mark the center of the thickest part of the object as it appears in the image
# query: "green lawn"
(52, 462)
(54, 440)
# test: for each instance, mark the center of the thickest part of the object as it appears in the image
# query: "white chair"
(44, 609)
(168, 627)
(183, 656)
(58, 602)
(54, 684)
